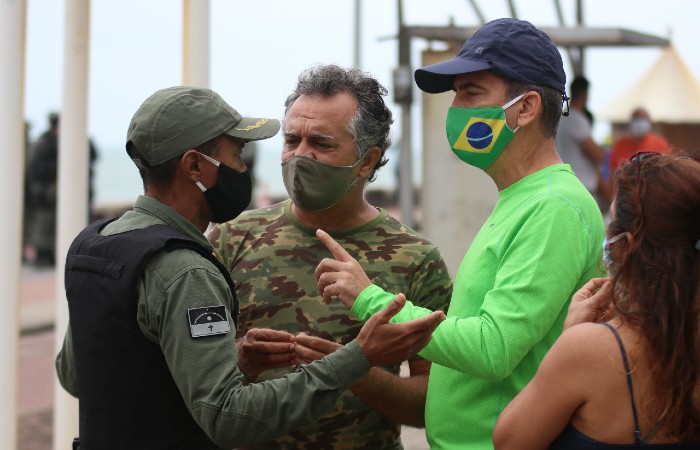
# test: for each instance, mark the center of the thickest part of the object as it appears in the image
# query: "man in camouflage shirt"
(336, 133)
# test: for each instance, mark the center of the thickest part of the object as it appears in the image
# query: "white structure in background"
(668, 90)
(670, 93)
(195, 43)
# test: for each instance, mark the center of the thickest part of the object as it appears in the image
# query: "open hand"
(387, 343)
(591, 303)
(341, 277)
(264, 349)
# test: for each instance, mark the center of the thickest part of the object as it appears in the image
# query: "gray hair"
(372, 121)
(551, 103)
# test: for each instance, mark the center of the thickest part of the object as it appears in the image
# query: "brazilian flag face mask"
(478, 135)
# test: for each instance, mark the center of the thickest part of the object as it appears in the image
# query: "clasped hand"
(591, 303)
(383, 343)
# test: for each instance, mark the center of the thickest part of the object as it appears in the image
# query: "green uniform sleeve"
(205, 369)
(65, 364)
(538, 271)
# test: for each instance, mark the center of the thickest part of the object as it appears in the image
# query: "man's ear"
(371, 159)
(529, 108)
(191, 165)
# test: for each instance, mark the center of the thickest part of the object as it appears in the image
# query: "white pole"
(357, 44)
(195, 43)
(72, 204)
(12, 45)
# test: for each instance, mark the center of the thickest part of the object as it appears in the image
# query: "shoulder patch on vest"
(208, 321)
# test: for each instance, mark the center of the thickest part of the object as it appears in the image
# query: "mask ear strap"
(210, 159)
(512, 102)
(361, 157)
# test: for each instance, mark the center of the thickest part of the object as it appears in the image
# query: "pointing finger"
(336, 249)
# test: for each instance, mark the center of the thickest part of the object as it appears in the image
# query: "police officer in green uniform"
(149, 351)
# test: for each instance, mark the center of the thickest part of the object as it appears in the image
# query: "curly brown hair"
(656, 278)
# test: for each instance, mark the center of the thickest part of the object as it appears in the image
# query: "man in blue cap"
(540, 244)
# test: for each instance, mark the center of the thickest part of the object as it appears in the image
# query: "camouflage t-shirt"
(272, 258)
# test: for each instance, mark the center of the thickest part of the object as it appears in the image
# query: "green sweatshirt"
(541, 243)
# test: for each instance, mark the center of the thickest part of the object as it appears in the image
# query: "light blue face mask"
(607, 257)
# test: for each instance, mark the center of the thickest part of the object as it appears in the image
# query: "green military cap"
(179, 118)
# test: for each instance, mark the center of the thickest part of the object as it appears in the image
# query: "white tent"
(668, 90)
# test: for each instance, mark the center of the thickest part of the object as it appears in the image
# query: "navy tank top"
(572, 439)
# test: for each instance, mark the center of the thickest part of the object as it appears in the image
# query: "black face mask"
(231, 194)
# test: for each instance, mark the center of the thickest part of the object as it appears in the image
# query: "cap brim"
(439, 77)
(254, 129)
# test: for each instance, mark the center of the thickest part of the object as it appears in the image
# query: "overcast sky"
(259, 47)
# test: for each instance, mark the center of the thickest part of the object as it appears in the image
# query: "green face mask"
(314, 185)
(478, 135)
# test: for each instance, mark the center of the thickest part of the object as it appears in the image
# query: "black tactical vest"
(128, 398)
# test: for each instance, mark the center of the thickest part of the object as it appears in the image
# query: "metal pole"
(513, 12)
(477, 11)
(358, 34)
(560, 14)
(72, 204)
(580, 67)
(13, 16)
(195, 43)
(572, 52)
(406, 201)
(404, 83)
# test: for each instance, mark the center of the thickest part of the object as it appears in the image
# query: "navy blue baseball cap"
(510, 48)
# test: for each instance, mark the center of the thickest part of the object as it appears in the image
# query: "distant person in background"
(91, 181)
(41, 176)
(42, 192)
(28, 208)
(633, 379)
(640, 138)
(575, 142)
